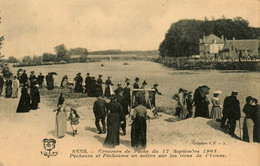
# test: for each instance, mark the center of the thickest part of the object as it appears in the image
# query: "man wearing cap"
(2, 82)
(231, 112)
(135, 86)
(99, 110)
(153, 93)
(99, 86)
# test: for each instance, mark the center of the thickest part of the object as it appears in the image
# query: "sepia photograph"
(134, 82)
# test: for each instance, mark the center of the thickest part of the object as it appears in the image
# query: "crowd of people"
(135, 102)
(228, 115)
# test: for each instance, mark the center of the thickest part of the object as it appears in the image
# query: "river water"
(169, 80)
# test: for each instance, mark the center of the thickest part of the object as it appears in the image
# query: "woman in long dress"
(107, 89)
(24, 103)
(248, 124)
(138, 130)
(8, 89)
(114, 117)
(15, 87)
(61, 118)
(216, 111)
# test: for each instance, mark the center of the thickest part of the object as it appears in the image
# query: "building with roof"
(240, 49)
(210, 46)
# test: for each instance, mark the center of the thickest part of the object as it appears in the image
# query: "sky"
(32, 27)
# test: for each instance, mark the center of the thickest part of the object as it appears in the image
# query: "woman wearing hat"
(35, 97)
(216, 110)
(114, 117)
(108, 84)
(61, 118)
(24, 102)
(15, 87)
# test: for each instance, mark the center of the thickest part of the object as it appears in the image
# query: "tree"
(182, 38)
(48, 57)
(37, 59)
(12, 59)
(62, 53)
(27, 59)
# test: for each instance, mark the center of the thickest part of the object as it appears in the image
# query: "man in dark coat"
(231, 112)
(127, 93)
(153, 93)
(24, 79)
(123, 101)
(2, 82)
(40, 80)
(99, 110)
(99, 86)
(118, 89)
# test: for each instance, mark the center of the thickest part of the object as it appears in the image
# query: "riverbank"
(22, 136)
(191, 64)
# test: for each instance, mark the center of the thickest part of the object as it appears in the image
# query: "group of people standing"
(228, 115)
(11, 86)
(117, 110)
(32, 100)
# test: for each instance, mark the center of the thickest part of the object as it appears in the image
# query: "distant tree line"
(182, 39)
(62, 54)
(114, 52)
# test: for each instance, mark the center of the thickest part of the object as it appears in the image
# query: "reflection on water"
(169, 80)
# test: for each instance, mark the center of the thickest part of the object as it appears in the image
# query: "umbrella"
(53, 73)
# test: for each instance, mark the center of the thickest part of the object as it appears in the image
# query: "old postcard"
(110, 82)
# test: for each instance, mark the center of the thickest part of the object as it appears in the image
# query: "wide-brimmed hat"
(217, 92)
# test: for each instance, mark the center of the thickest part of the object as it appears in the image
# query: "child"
(74, 120)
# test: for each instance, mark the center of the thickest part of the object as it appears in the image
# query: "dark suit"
(123, 101)
(99, 110)
(231, 111)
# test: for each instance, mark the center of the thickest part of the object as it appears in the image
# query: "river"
(169, 80)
